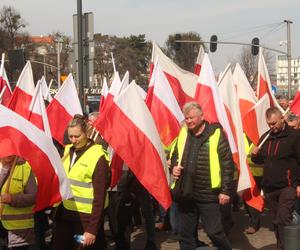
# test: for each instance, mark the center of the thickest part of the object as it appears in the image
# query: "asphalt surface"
(264, 239)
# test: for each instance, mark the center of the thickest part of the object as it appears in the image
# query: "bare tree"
(249, 64)
(11, 23)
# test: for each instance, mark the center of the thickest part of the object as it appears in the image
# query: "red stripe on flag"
(48, 182)
(204, 97)
(58, 120)
(167, 125)
(20, 102)
(181, 97)
(137, 151)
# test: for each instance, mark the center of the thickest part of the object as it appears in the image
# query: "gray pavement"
(264, 239)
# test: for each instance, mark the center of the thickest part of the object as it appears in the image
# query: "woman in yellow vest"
(86, 167)
(17, 201)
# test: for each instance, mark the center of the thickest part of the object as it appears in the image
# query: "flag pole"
(113, 62)
(2, 93)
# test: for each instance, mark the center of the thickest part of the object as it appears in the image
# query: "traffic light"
(255, 46)
(213, 43)
(177, 45)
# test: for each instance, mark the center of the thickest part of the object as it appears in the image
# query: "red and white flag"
(45, 90)
(23, 92)
(295, 105)
(62, 108)
(140, 148)
(254, 122)
(246, 181)
(163, 106)
(5, 90)
(104, 93)
(264, 83)
(38, 115)
(208, 96)
(182, 82)
(19, 137)
(113, 90)
(246, 95)
(198, 65)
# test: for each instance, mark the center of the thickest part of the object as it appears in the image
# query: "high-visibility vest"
(17, 217)
(214, 164)
(80, 177)
(256, 170)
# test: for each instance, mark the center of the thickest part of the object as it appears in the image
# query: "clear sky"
(230, 20)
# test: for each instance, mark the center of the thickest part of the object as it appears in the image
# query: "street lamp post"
(58, 46)
(289, 56)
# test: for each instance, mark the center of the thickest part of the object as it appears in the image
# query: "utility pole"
(289, 56)
(58, 61)
(80, 53)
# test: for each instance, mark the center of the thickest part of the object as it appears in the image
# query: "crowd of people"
(203, 189)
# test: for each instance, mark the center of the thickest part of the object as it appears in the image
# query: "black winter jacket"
(197, 170)
(280, 155)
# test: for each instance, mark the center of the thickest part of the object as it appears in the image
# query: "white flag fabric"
(19, 137)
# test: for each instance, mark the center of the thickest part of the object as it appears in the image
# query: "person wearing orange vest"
(86, 166)
(18, 194)
(202, 163)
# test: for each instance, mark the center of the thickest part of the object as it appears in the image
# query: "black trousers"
(211, 220)
(254, 214)
(281, 203)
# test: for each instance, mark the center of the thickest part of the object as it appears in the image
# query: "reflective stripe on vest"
(256, 170)
(14, 218)
(214, 164)
(80, 176)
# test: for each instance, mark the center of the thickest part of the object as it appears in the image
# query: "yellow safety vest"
(214, 164)
(80, 177)
(17, 217)
(256, 170)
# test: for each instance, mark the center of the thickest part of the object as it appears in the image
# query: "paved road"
(264, 239)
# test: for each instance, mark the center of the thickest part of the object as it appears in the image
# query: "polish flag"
(23, 92)
(246, 95)
(117, 162)
(104, 93)
(182, 82)
(254, 122)
(246, 181)
(295, 105)
(19, 137)
(163, 106)
(62, 108)
(199, 61)
(45, 90)
(113, 90)
(5, 90)
(208, 96)
(264, 83)
(38, 115)
(140, 147)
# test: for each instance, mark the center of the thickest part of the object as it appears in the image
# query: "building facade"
(282, 74)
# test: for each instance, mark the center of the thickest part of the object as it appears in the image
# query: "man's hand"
(223, 199)
(6, 198)
(89, 239)
(177, 171)
(298, 191)
(255, 150)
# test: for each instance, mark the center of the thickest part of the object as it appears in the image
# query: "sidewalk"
(264, 239)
